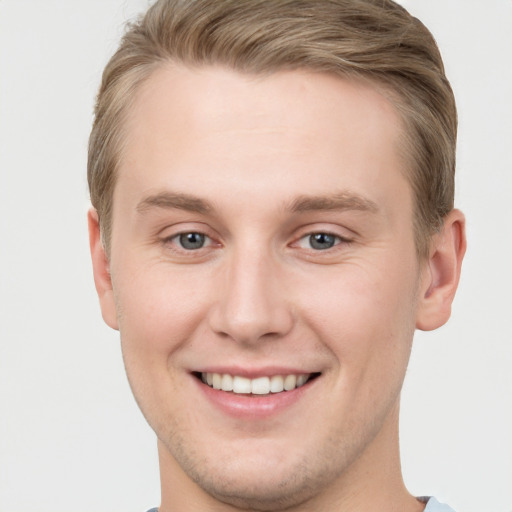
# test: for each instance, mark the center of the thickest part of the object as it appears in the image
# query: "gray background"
(71, 437)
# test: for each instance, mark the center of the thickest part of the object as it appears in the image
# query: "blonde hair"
(376, 40)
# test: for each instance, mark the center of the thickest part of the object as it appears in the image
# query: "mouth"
(265, 385)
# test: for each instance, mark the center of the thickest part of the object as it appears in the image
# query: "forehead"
(216, 129)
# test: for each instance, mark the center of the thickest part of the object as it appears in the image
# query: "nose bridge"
(251, 303)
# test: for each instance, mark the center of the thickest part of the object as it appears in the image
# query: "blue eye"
(322, 241)
(191, 241)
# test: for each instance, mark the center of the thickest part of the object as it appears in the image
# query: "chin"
(263, 480)
(265, 491)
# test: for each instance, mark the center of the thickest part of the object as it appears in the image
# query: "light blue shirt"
(434, 506)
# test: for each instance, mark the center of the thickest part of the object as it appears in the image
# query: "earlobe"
(441, 273)
(101, 271)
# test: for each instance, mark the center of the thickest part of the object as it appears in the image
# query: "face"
(263, 241)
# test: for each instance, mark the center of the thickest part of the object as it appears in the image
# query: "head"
(372, 40)
(272, 186)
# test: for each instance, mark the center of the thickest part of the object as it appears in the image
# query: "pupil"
(321, 241)
(192, 240)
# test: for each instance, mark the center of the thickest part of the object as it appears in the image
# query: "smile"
(257, 386)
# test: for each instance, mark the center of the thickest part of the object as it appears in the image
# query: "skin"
(258, 165)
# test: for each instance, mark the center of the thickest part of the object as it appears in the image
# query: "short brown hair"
(376, 40)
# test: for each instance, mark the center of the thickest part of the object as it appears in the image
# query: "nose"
(251, 300)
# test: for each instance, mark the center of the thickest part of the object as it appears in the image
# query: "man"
(272, 190)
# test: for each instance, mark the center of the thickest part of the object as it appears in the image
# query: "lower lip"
(254, 406)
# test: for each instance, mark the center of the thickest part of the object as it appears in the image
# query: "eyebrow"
(171, 200)
(335, 202)
(338, 202)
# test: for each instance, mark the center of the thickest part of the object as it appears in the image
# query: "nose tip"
(251, 304)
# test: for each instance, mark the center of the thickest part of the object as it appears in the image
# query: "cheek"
(366, 314)
(158, 311)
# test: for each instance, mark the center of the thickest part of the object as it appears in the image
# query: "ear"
(441, 273)
(101, 271)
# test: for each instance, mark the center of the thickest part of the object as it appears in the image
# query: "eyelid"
(180, 227)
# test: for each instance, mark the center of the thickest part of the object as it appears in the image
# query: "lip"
(252, 407)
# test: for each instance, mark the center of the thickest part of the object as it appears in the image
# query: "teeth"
(241, 385)
(301, 380)
(217, 381)
(258, 386)
(290, 381)
(227, 382)
(276, 384)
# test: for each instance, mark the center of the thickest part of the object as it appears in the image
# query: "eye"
(319, 241)
(322, 241)
(191, 241)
